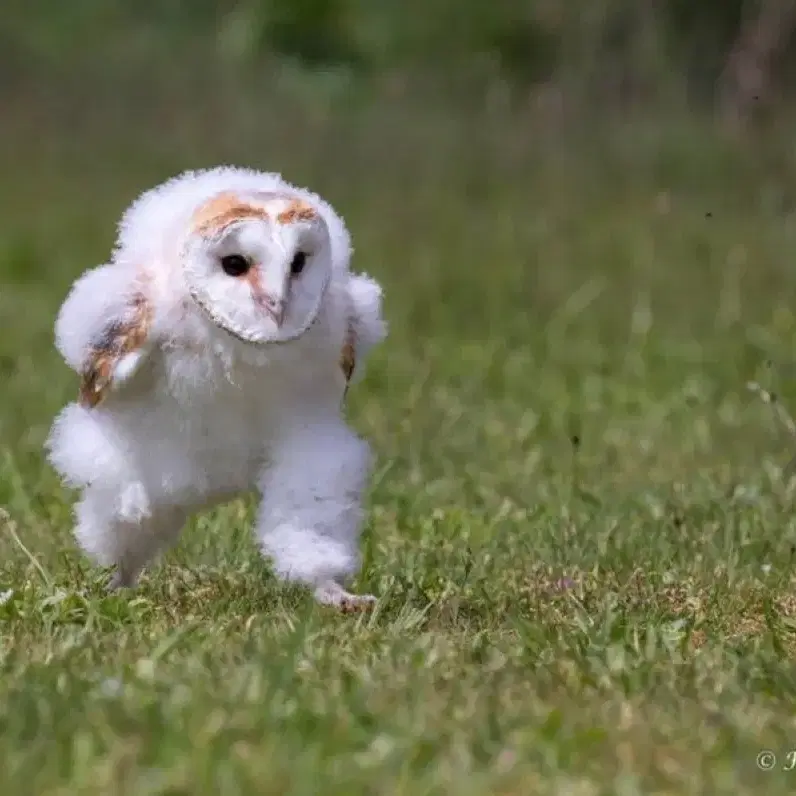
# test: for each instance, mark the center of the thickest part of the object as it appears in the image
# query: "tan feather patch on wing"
(297, 210)
(117, 341)
(348, 355)
(223, 210)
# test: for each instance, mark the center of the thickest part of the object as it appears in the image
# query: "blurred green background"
(583, 215)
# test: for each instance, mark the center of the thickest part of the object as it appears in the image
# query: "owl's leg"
(311, 512)
(121, 529)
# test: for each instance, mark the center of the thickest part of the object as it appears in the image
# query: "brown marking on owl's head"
(221, 211)
(297, 210)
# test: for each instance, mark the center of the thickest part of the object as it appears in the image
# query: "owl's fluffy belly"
(212, 448)
(197, 462)
(190, 432)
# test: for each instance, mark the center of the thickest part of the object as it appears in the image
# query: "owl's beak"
(272, 306)
(278, 314)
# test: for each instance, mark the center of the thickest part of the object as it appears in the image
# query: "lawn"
(579, 525)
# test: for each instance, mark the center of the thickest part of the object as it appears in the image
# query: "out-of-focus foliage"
(615, 48)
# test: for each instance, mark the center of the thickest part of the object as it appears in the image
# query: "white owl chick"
(214, 351)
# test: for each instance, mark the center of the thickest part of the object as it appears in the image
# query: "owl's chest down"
(206, 428)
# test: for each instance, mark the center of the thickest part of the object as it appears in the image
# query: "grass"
(579, 525)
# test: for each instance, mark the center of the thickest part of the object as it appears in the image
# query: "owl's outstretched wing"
(116, 354)
(366, 326)
(103, 330)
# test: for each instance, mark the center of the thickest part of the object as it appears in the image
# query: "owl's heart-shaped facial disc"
(258, 265)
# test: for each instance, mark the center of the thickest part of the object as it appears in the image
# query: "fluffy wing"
(102, 330)
(366, 326)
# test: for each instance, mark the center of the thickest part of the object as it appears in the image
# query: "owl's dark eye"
(235, 264)
(298, 263)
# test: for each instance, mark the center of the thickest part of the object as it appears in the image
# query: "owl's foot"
(121, 579)
(333, 594)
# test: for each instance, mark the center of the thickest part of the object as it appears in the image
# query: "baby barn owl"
(214, 351)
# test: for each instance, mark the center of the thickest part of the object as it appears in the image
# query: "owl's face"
(258, 264)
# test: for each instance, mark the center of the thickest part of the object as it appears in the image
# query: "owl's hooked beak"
(265, 301)
(272, 306)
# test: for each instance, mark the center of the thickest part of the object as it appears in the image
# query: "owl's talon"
(120, 580)
(334, 595)
(114, 584)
